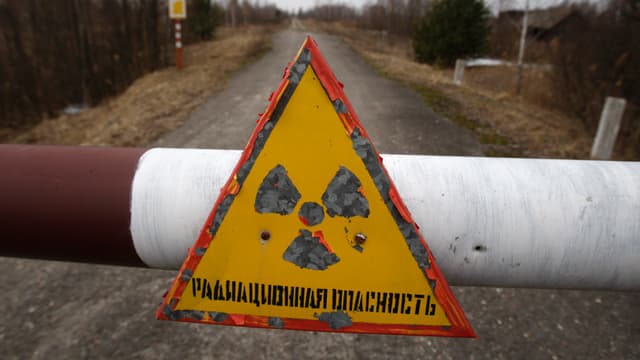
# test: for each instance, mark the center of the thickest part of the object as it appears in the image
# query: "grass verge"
(506, 125)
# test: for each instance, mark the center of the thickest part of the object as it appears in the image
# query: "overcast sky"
(294, 5)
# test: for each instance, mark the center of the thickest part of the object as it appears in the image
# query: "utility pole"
(233, 4)
(523, 37)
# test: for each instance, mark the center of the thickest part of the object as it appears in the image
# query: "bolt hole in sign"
(309, 232)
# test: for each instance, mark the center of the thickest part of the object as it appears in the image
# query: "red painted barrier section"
(67, 203)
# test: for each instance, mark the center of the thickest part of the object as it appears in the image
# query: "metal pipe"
(488, 221)
(67, 203)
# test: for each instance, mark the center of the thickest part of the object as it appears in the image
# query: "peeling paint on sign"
(336, 320)
(344, 196)
(218, 316)
(276, 322)
(311, 213)
(308, 251)
(277, 194)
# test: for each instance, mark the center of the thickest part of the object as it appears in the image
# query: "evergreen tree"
(453, 29)
(203, 18)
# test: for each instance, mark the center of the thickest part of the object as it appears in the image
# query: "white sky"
(294, 5)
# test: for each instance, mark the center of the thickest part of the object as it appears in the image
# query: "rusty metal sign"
(310, 233)
(177, 9)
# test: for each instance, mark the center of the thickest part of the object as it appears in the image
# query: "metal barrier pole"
(488, 221)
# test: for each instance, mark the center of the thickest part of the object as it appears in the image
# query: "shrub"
(452, 29)
(203, 18)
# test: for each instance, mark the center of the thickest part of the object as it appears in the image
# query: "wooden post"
(523, 39)
(608, 128)
(459, 72)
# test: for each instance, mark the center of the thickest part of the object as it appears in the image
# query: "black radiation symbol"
(343, 198)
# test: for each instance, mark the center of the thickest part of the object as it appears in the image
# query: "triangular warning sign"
(310, 233)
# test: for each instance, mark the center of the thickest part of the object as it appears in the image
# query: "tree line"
(244, 12)
(56, 53)
(398, 17)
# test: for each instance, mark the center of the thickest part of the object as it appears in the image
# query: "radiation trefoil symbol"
(343, 197)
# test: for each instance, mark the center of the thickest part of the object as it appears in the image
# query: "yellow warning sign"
(177, 9)
(309, 232)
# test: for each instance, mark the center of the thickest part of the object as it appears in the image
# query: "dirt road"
(60, 310)
(394, 115)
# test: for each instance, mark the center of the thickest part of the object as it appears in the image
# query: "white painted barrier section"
(488, 221)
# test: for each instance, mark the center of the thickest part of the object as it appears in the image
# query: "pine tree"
(452, 29)
(203, 18)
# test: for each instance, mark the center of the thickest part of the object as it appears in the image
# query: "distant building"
(547, 24)
(543, 26)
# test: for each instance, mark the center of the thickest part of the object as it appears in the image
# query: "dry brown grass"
(158, 102)
(507, 125)
(537, 83)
